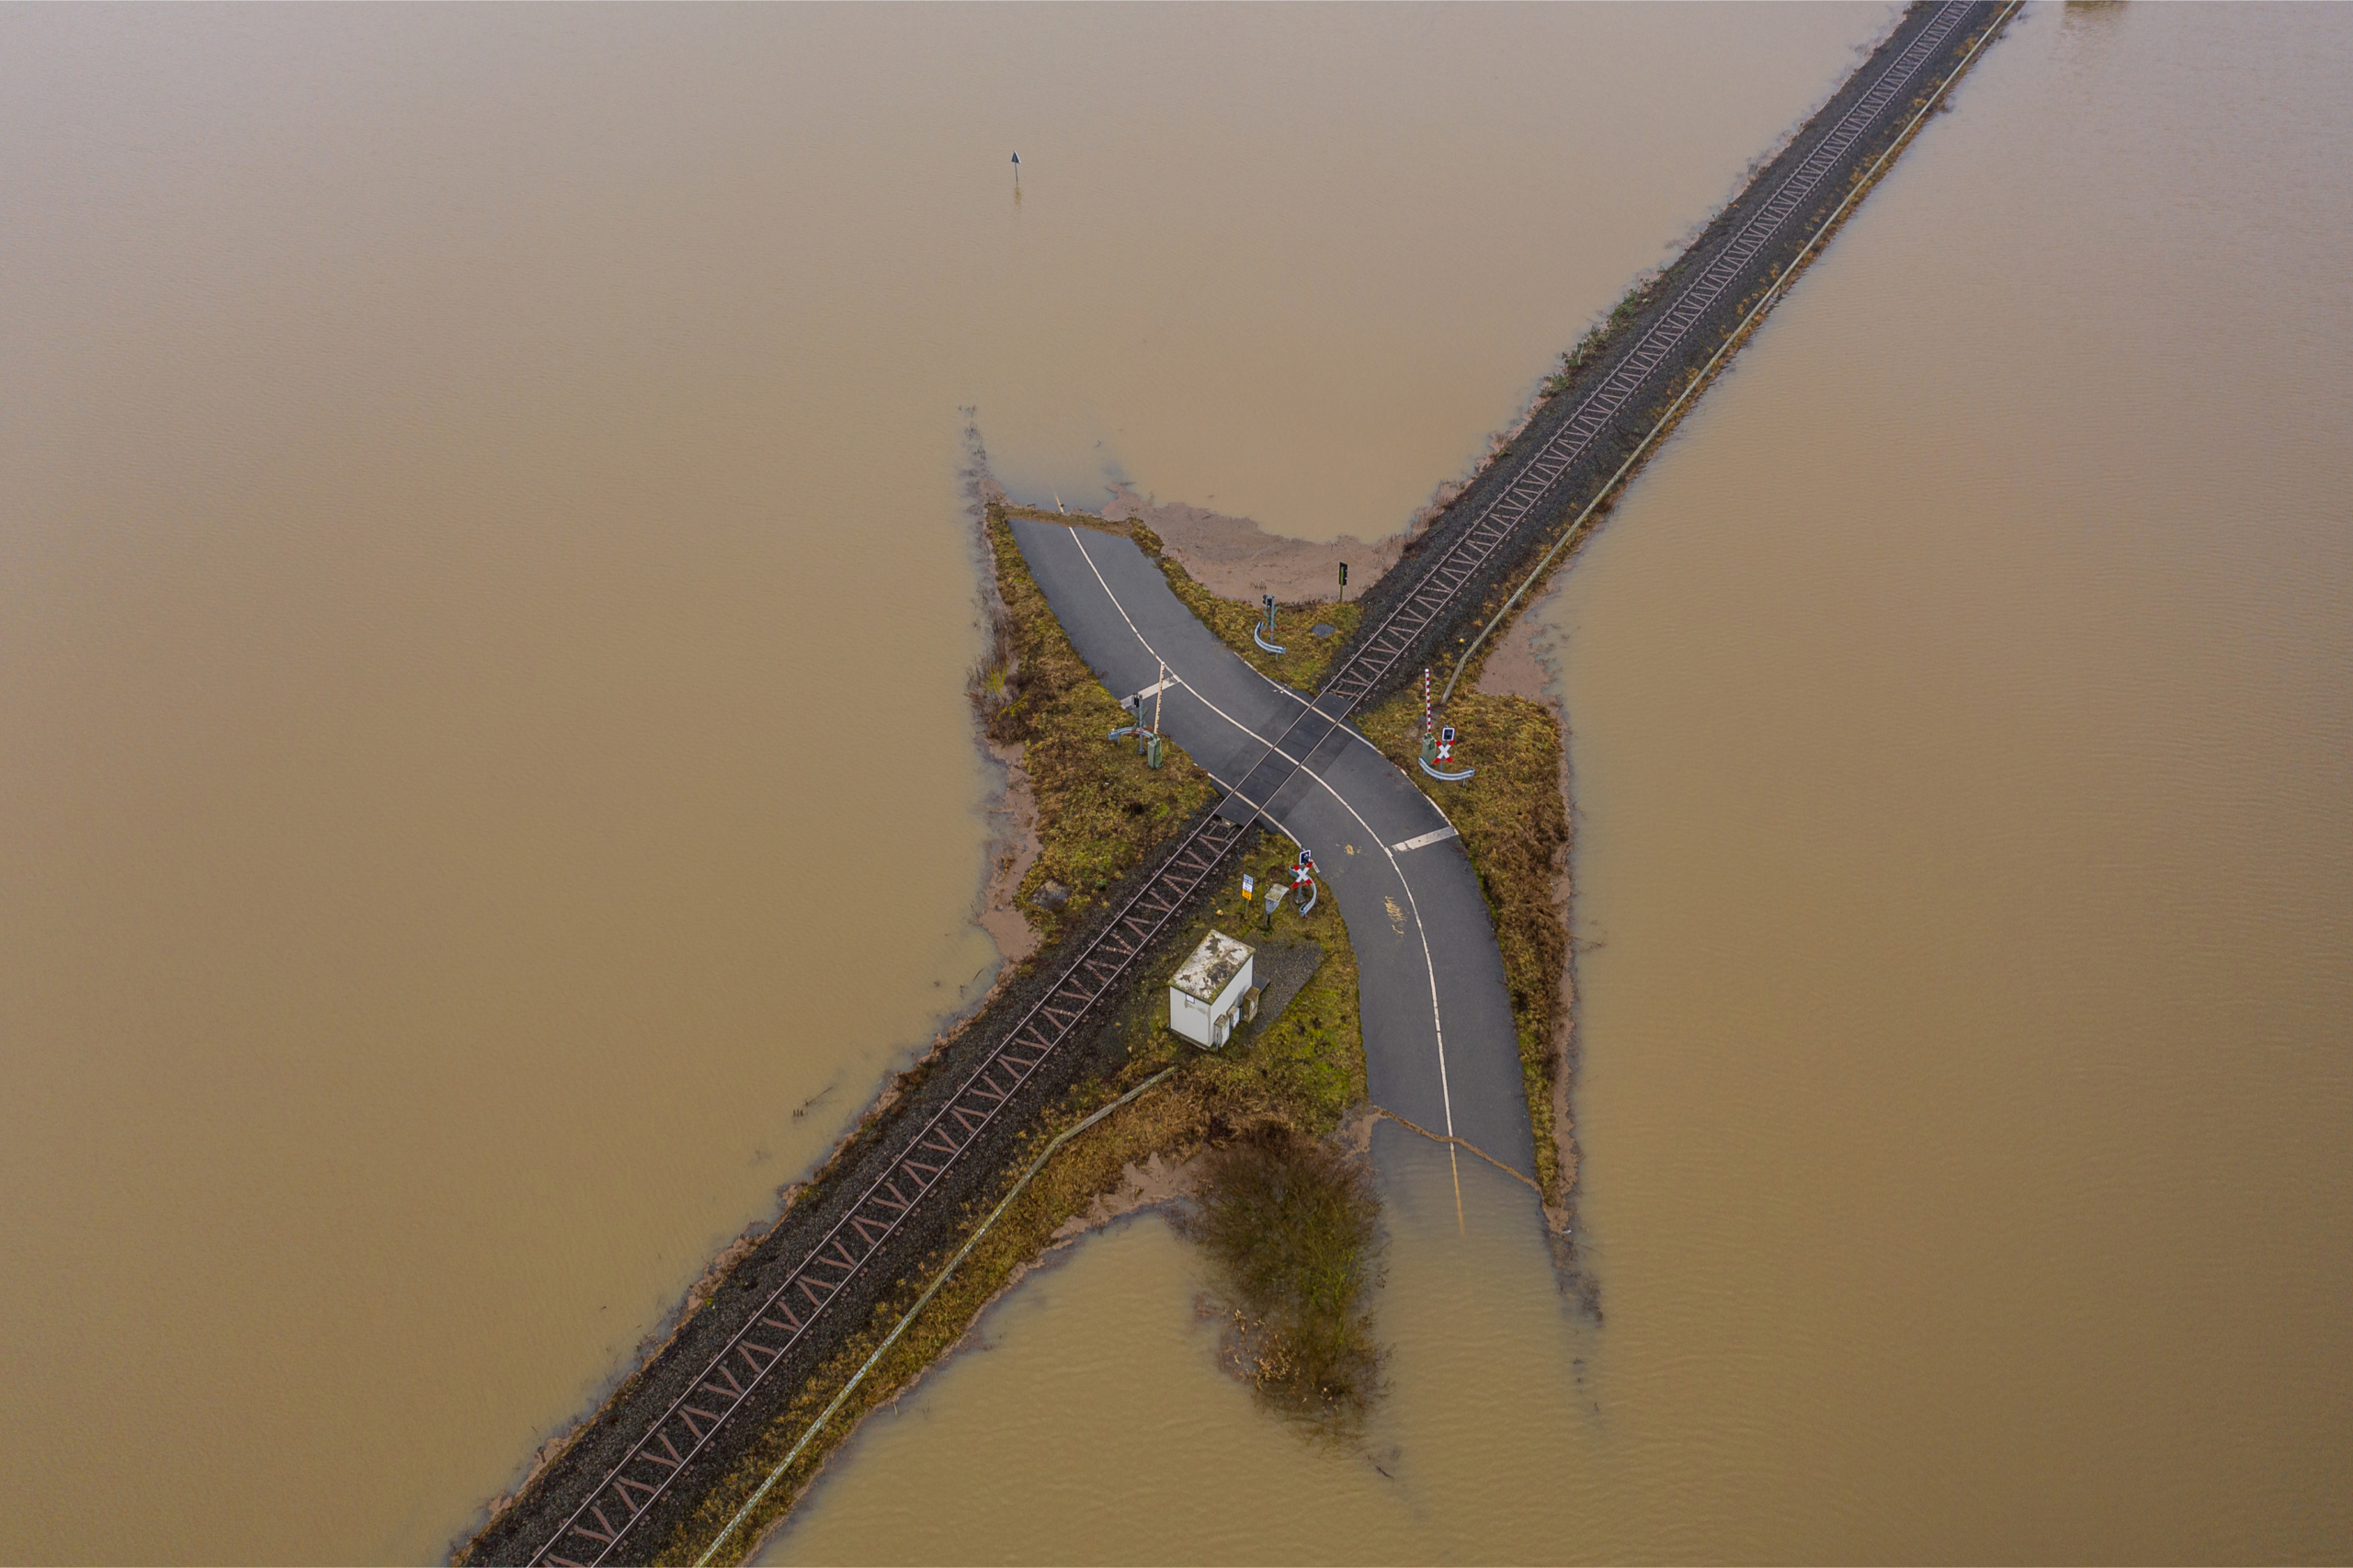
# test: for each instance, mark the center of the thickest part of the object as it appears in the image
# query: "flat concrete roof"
(1213, 966)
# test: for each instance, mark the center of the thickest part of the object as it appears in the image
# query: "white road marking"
(1174, 679)
(1429, 964)
(1445, 833)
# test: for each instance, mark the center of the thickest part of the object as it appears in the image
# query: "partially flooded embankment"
(1961, 709)
(1518, 842)
(1101, 814)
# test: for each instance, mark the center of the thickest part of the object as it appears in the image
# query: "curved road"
(1439, 1045)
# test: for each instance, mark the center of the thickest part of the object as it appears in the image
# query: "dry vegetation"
(1294, 1229)
(1100, 808)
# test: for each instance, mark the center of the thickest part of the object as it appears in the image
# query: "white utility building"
(1212, 994)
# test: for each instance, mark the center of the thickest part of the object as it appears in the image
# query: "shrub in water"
(1294, 1229)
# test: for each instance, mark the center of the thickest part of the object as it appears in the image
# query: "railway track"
(1376, 656)
(933, 1167)
(1442, 586)
(1101, 969)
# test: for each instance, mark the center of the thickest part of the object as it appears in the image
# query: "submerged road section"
(628, 1483)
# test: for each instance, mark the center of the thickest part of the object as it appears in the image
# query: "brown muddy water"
(484, 598)
(1963, 709)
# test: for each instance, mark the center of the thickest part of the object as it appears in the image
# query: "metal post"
(1263, 633)
(1152, 747)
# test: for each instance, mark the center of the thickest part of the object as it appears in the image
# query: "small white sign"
(1247, 885)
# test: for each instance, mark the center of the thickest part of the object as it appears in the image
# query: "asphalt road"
(1440, 1048)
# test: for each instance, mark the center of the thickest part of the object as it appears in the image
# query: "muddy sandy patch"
(1236, 559)
(1013, 849)
(1524, 662)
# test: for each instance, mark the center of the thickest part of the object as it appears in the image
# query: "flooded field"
(484, 594)
(1963, 757)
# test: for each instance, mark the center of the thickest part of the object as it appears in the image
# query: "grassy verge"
(1514, 825)
(1303, 1070)
(1100, 808)
(1292, 1078)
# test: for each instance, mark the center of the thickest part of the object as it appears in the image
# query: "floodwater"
(1963, 754)
(485, 592)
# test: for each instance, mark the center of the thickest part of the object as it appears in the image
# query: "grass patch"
(1100, 808)
(1292, 1078)
(1514, 825)
(1304, 1069)
(1601, 334)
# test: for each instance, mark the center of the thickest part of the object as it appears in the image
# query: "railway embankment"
(1104, 820)
(1622, 389)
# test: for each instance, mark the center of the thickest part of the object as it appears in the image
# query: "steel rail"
(685, 1428)
(1780, 285)
(1377, 654)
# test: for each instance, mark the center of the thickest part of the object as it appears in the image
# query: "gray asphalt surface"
(1439, 1045)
